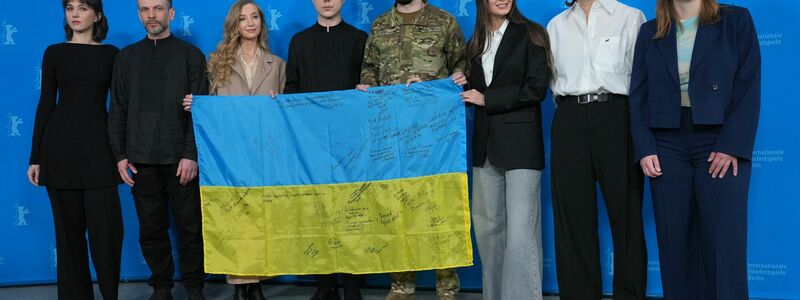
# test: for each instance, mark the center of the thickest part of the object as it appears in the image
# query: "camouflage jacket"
(431, 47)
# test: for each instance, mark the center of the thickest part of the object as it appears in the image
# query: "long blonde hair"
(220, 64)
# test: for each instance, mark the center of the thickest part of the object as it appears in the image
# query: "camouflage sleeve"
(455, 48)
(369, 68)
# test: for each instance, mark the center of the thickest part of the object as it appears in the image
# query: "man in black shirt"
(327, 57)
(152, 137)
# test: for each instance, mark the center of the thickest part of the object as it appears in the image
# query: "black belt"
(590, 98)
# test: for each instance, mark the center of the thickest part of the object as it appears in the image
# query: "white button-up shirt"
(594, 56)
(492, 44)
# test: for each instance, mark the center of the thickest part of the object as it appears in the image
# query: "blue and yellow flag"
(337, 182)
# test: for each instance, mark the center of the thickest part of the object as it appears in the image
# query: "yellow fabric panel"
(375, 227)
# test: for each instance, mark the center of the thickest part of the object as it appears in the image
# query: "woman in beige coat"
(242, 65)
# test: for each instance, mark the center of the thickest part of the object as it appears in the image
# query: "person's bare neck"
(164, 34)
(412, 7)
(83, 38)
(249, 47)
(686, 9)
(586, 6)
(329, 22)
(497, 22)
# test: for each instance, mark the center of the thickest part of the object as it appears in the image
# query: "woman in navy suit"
(694, 104)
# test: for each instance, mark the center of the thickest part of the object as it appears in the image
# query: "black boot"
(352, 293)
(352, 286)
(326, 294)
(161, 294)
(239, 292)
(254, 292)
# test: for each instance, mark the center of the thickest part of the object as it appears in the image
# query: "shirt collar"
(502, 29)
(396, 19)
(608, 5)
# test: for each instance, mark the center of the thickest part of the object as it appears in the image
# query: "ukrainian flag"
(336, 182)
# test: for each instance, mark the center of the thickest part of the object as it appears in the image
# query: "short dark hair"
(100, 29)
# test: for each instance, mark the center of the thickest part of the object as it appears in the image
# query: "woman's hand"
(413, 79)
(33, 174)
(720, 163)
(363, 87)
(650, 166)
(187, 102)
(474, 97)
(459, 78)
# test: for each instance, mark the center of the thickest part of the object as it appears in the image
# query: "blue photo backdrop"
(27, 242)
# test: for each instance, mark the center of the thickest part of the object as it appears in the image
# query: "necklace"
(255, 58)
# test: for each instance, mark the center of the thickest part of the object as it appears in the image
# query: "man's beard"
(157, 30)
(403, 2)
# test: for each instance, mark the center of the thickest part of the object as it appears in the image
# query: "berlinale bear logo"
(8, 34)
(364, 8)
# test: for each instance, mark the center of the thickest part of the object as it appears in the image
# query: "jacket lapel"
(237, 68)
(478, 75)
(668, 47)
(264, 69)
(505, 46)
(706, 35)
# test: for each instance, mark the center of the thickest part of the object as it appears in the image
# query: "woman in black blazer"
(509, 74)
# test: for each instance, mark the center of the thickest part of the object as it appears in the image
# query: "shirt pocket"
(610, 54)
(428, 50)
(387, 38)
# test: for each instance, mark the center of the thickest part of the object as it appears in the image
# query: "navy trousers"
(701, 222)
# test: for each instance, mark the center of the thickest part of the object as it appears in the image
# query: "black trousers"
(155, 191)
(591, 144)
(349, 281)
(74, 213)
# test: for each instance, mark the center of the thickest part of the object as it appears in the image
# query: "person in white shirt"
(509, 72)
(592, 43)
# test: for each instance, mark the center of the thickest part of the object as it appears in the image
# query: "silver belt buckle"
(586, 99)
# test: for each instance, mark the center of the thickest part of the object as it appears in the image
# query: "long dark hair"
(477, 44)
(100, 29)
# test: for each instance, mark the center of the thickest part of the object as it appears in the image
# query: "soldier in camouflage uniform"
(413, 42)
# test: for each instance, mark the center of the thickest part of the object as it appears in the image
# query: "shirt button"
(715, 87)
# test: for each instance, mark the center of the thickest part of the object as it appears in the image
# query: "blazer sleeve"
(738, 133)
(506, 98)
(292, 69)
(198, 85)
(47, 104)
(118, 111)
(644, 141)
(281, 77)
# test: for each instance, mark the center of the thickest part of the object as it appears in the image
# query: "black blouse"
(70, 137)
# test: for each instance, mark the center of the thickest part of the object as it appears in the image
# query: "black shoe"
(161, 294)
(352, 294)
(239, 292)
(326, 294)
(196, 294)
(254, 292)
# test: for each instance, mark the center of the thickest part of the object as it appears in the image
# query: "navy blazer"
(724, 86)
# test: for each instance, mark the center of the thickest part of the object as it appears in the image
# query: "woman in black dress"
(71, 156)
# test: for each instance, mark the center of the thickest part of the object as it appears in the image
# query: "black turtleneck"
(146, 121)
(325, 59)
